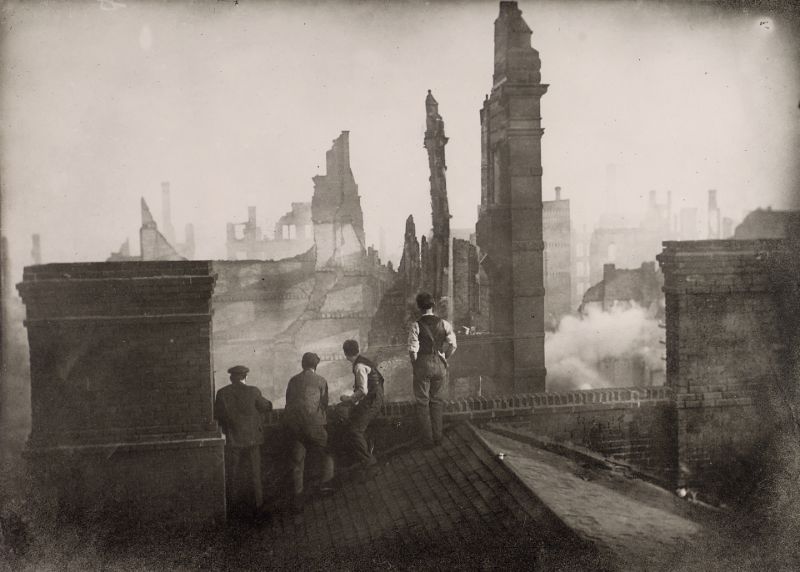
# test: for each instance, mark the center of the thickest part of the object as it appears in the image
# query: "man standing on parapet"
(367, 400)
(431, 342)
(239, 410)
(305, 417)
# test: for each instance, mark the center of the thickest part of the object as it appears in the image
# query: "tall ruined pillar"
(435, 141)
(509, 231)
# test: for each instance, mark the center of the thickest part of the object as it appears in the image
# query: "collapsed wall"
(268, 313)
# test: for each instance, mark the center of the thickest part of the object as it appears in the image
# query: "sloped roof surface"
(449, 507)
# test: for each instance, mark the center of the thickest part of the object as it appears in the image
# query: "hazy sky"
(237, 104)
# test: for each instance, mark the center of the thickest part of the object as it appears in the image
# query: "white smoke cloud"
(574, 352)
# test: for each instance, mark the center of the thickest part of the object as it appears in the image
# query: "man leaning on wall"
(239, 410)
(305, 418)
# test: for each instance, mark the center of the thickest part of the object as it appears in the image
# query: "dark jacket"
(239, 410)
(306, 399)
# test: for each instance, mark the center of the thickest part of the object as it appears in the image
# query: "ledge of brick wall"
(497, 407)
(721, 266)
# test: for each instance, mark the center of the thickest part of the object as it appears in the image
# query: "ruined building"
(397, 307)
(267, 313)
(155, 245)
(436, 262)
(581, 263)
(629, 246)
(557, 232)
(624, 287)
(336, 210)
(509, 231)
(293, 235)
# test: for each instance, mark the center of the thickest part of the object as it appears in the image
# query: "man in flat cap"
(239, 410)
(305, 417)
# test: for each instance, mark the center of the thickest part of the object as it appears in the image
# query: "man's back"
(307, 399)
(238, 409)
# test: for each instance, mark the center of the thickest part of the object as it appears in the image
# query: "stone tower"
(509, 231)
(435, 141)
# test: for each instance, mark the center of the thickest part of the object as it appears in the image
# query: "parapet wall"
(634, 425)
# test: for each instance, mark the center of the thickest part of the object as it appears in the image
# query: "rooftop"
(487, 498)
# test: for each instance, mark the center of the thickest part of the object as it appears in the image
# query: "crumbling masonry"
(436, 263)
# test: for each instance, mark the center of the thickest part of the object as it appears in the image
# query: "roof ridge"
(537, 508)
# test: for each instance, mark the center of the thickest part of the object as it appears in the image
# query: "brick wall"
(465, 282)
(121, 386)
(725, 350)
(633, 425)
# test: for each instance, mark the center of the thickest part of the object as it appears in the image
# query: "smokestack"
(166, 213)
(712, 199)
(36, 251)
(713, 215)
(251, 216)
(670, 221)
(189, 245)
(558, 193)
(652, 198)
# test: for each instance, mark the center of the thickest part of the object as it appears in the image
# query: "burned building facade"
(336, 210)
(153, 243)
(267, 313)
(293, 235)
(557, 233)
(509, 231)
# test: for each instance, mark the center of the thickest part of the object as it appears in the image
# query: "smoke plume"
(575, 351)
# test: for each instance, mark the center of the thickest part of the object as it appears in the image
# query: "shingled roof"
(453, 506)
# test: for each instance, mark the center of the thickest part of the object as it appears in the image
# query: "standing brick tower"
(509, 231)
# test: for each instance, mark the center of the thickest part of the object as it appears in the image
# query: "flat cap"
(239, 369)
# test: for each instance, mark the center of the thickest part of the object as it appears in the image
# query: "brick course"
(634, 425)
